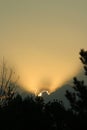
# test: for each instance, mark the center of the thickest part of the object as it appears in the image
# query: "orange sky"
(42, 39)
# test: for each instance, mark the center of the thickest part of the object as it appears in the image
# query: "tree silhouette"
(78, 98)
(7, 84)
(83, 58)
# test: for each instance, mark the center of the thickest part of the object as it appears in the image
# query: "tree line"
(32, 113)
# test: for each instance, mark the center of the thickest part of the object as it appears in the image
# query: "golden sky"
(42, 39)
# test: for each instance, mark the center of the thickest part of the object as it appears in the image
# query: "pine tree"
(78, 98)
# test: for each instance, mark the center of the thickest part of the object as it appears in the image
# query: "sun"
(44, 91)
(40, 94)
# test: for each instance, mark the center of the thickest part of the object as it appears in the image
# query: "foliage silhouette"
(7, 84)
(78, 99)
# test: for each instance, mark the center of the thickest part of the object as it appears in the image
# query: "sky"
(42, 39)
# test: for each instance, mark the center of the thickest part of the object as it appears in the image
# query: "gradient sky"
(42, 39)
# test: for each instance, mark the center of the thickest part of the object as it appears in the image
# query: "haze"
(42, 39)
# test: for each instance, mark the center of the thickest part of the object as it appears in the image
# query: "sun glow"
(41, 93)
(43, 40)
(37, 84)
